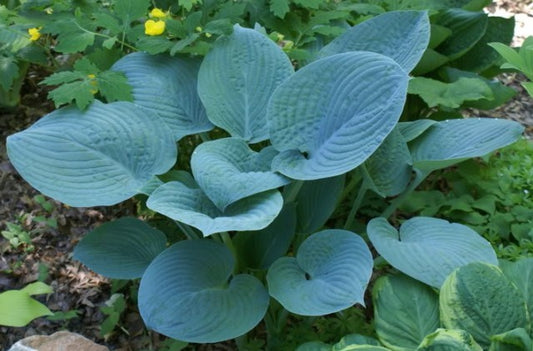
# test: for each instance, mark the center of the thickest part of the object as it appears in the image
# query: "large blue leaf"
(259, 249)
(400, 35)
(227, 170)
(167, 86)
(121, 249)
(316, 201)
(448, 142)
(329, 273)
(188, 293)
(331, 115)
(388, 170)
(191, 206)
(236, 80)
(101, 156)
(429, 249)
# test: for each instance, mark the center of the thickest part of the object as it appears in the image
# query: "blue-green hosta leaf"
(167, 86)
(98, 157)
(449, 340)
(332, 114)
(512, 340)
(521, 274)
(191, 206)
(405, 311)
(411, 130)
(227, 170)
(482, 56)
(430, 61)
(316, 201)
(236, 80)
(428, 249)
(452, 141)
(467, 28)
(121, 249)
(259, 249)
(400, 35)
(329, 273)
(388, 170)
(189, 293)
(479, 299)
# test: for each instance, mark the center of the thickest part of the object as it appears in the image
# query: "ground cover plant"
(492, 197)
(274, 151)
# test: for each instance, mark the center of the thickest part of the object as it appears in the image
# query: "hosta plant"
(256, 204)
(479, 306)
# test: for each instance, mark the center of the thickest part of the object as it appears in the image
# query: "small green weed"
(113, 309)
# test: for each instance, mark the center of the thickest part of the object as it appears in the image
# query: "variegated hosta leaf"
(227, 170)
(452, 141)
(236, 80)
(449, 339)
(98, 157)
(167, 86)
(189, 293)
(388, 170)
(400, 35)
(329, 273)
(428, 249)
(332, 114)
(191, 206)
(479, 299)
(520, 273)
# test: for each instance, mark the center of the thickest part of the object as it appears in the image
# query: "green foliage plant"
(492, 196)
(521, 61)
(90, 36)
(18, 308)
(271, 137)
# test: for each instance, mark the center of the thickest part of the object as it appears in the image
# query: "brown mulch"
(77, 288)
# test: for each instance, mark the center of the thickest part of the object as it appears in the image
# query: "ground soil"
(76, 287)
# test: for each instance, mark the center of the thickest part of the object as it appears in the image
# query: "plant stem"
(122, 42)
(356, 204)
(226, 239)
(292, 190)
(188, 231)
(419, 178)
(355, 179)
(204, 136)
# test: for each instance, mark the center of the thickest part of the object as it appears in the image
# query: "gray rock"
(60, 341)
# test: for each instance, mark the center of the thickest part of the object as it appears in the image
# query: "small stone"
(60, 341)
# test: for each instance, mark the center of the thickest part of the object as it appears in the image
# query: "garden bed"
(78, 292)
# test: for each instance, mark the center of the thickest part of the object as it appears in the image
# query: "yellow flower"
(34, 34)
(158, 13)
(152, 27)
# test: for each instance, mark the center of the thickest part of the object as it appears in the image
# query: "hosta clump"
(303, 131)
